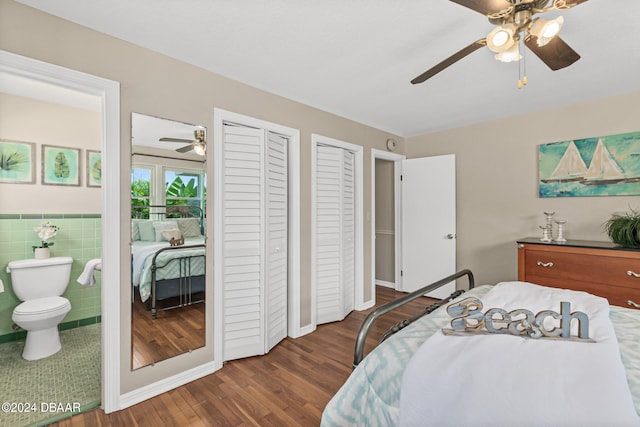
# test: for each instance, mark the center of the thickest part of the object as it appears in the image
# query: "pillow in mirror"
(135, 233)
(163, 225)
(172, 233)
(145, 230)
(190, 227)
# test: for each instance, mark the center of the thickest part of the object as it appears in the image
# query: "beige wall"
(44, 123)
(497, 199)
(496, 162)
(156, 85)
(385, 221)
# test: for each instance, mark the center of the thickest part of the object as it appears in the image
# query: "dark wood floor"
(289, 386)
(173, 332)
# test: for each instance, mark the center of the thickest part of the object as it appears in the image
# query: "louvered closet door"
(255, 267)
(276, 247)
(348, 232)
(334, 234)
(243, 234)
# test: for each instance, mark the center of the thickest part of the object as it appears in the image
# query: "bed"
(167, 256)
(410, 379)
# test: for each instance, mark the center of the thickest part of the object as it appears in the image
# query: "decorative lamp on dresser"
(600, 268)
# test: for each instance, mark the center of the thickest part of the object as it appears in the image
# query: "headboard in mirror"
(168, 239)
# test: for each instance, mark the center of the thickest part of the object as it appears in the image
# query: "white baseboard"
(366, 305)
(164, 385)
(304, 330)
(386, 284)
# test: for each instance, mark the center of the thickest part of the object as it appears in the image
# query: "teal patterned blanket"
(143, 258)
(371, 395)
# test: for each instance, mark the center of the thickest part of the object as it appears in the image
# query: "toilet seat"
(47, 305)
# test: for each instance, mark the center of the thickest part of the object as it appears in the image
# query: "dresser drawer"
(610, 273)
(616, 295)
(624, 272)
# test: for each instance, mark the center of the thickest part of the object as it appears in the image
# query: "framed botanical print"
(94, 168)
(17, 162)
(60, 165)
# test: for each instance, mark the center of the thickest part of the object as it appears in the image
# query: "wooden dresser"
(600, 268)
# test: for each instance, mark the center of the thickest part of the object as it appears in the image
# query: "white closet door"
(348, 233)
(276, 239)
(335, 249)
(243, 234)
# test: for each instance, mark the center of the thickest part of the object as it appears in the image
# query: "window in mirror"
(185, 187)
(141, 190)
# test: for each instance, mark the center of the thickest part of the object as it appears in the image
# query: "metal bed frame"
(186, 285)
(374, 315)
(161, 212)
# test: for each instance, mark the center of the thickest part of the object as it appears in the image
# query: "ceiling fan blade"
(185, 149)
(566, 4)
(176, 140)
(486, 7)
(450, 61)
(556, 54)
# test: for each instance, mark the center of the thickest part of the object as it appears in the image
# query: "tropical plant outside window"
(180, 187)
(141, 190)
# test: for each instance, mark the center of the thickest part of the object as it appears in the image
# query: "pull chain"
(522, 80)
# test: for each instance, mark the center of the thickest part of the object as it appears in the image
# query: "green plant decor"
(624, 230)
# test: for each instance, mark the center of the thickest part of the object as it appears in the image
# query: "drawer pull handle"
(633, 304)
(633, 273)
(545, 264)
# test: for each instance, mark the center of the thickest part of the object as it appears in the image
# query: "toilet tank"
(39, 278)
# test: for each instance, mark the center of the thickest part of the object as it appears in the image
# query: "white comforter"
(504, 380)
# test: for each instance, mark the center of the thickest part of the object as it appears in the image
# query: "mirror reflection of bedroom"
(168, 197)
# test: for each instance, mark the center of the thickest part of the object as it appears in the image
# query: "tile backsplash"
(79, 236)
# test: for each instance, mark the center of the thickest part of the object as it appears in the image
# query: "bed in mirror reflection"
(168, 239)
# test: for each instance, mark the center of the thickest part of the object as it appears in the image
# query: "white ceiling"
(147, 131)
(355, 58)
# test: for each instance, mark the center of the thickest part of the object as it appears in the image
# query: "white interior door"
(348, 232)
(335, 246)
(255, 236)
(277, 237)
(428, 222)
(243, 234)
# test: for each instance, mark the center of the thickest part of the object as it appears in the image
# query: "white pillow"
(171, 233)
(163, 225)
(190, 227)
(145, 230)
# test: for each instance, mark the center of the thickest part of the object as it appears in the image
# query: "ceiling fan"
(514, 20)
(198, 144)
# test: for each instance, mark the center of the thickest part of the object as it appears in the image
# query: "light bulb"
(546, 30)
(199, 149)
(501, 38)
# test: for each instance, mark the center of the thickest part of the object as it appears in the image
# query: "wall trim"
(151, 390)
(386, 284)
(397, 170)
(220, 116)
(108, 93)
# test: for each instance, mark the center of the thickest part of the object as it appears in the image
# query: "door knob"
(451, 236)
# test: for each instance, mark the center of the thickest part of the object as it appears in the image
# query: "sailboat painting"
(601, 166)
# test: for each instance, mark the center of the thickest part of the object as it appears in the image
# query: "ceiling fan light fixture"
(199, 148)
(500, 39)
(509, 55)
(546, 30)
(199, 145)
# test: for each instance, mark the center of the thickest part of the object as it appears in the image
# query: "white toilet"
(40, 284)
